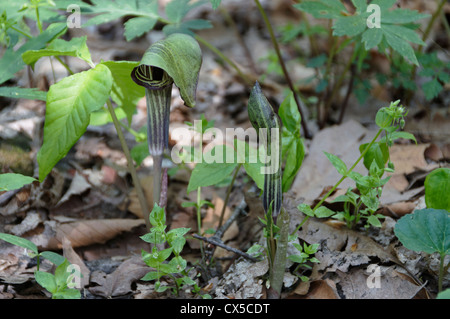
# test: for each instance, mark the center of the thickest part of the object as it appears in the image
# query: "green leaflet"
(69, 105)
(76, 47)
(23, 93)
(10, 181)
(179, 55)
(267, 124)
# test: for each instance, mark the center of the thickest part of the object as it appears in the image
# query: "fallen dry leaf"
(88, 232)
(75, 259)
(118, 283)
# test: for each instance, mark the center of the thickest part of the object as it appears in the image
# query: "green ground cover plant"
(109, 91)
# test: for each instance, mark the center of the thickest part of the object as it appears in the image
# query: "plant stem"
(247, 80)
(441, 272)
(38, 20)
(64, 65)
(21, 32)
(227, 197)
(331, 191)
(131, 168)
(283, 67)
(199, 218)
(157, 174)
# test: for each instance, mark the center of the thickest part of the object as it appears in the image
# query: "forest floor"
(88, 210)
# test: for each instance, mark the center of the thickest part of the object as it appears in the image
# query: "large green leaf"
(426, 230)
(125, 92)
(10, 181)
(69, 105)
(76, 47)
(180, 56)
(11, 61)
(437, 189)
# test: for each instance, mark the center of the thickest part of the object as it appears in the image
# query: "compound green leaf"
(46, 280)
(136, 27)
(426, 230)
(322, 9)
(69, 105)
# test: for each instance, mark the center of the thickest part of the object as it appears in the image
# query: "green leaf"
(337, 163)
(138, 26)
(11, 181)
(125, 92)
(289, 114)
(322, 9)
(400, 45)
(46, 280)
(207, 174)
(378, 152)
(323, 212)
(180, 56)
(19, 241)
(294, 160)
(432, 89)
(76, 47)
(108, 10)
(437, 189)
(371, 38)
(55, 258)
(69, 105)
(444, 294)
(349, 26)
(23, 93)
(139, 152)
(215, 4)
(426, 230)
(374, 221)
(12, 62)
(152, 275)
(306, 209)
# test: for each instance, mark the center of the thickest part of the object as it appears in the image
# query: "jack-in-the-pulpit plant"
(174, 60)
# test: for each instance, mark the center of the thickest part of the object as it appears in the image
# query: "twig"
(222, 245)
(283, 67)
(131, 168)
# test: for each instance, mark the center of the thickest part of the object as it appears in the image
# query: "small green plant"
(375, 156)
(428, 230)
(167, 262)
(61, 283)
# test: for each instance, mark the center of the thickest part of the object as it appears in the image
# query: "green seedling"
(61, 283)
(167, 262)
(375, 156)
